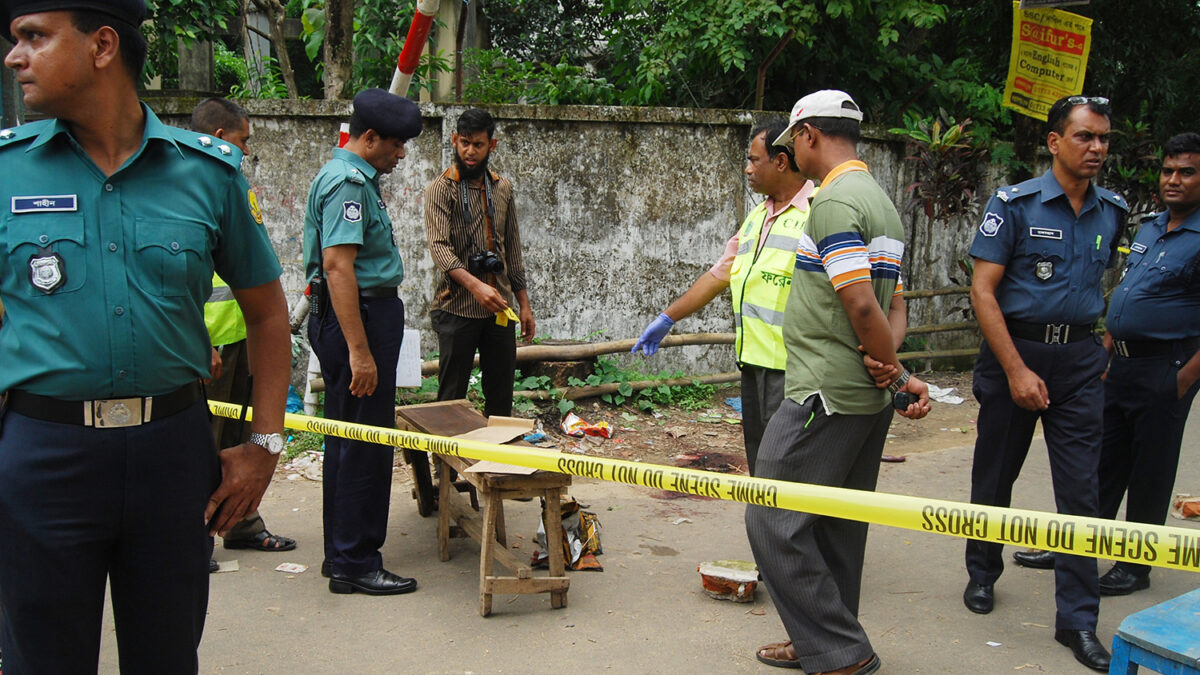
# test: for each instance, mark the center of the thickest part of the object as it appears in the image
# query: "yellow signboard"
(1049, 59)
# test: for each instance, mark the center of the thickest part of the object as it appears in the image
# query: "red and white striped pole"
(414, 44)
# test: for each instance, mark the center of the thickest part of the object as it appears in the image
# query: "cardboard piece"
(499, 430)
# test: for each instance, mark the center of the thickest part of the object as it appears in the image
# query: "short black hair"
(837, 127)
(770, 131)
(217, 113)
(1182, 144)
(475, 120)
(1056, 118)
(132, 43)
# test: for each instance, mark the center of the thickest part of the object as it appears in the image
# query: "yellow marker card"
(502, 318)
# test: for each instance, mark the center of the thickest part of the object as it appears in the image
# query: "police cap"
(389, 115)
(132, 12)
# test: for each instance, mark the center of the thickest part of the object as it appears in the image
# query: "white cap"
(824, 103)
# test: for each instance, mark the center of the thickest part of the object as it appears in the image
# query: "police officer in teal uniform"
(1154, 338)
(1039, 256)
(111, 228)
(354, 271)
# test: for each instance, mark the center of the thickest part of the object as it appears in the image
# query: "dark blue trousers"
(357, 484)
(1072, 427)
(79, 505)
(1143, 430)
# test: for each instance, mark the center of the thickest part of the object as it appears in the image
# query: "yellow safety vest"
(222, 315)
(760, 281)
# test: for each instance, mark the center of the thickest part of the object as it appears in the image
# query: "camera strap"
(489, 208)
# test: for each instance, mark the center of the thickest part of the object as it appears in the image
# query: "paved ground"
(645, 613)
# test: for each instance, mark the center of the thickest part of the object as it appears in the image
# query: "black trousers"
(762, 392)
(357, 484)
(458, 339)
(80, 505)
(1072, 426)
(1143, 430)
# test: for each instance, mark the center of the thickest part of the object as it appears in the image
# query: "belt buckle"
(114, 413)
(1057, 333)
(1121, 348)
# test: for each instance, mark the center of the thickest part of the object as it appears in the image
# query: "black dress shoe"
(326, 569)
(1087, 648)
(1038, 560)
(1121, 581)
(213, 565)
(978, 598)
(379, 582)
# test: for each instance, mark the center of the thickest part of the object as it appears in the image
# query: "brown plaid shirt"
(452, 242)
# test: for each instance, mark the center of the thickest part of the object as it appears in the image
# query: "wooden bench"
(1164, 638)
(458, 517)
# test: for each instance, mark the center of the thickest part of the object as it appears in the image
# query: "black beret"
(389, 115)
(132, 12)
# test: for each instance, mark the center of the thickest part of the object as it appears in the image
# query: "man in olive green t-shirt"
(830, 428)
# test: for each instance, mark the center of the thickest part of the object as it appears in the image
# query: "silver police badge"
(991, 224)
(352, 212)
(46, 271)
(1044, 269)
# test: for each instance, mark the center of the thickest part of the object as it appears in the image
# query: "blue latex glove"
(654, 334)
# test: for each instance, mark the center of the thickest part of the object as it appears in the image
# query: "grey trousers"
(812, 565)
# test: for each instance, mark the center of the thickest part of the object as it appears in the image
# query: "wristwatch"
(900, 381)
(272, 443)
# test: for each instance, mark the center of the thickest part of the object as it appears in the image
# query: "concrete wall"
(620, 208)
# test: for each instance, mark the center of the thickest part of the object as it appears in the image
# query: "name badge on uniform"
(1138, 248)
(44, 204)
(1044, 269)
(1045, 233)
(47, 271)
(352, 212)
(382, 205)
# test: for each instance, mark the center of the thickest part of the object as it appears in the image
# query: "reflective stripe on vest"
(760, 281)
(222, 315)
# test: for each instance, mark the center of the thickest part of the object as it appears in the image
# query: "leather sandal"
(770, 655)
(262, 541)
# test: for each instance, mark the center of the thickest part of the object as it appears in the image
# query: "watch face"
(275, 444)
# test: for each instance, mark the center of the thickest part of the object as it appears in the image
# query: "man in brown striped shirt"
(471, 224)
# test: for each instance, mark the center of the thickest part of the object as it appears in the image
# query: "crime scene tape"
(1156, 545)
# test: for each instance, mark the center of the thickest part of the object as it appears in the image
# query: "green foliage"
(503, 79)
(380, 28)
(229, 69)
(270, 83)
(949, 165)
(175, 20)
(301, 442)
(689, 397)
(1134, 162)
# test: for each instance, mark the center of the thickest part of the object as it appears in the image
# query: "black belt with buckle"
(1050, 333)
(378, 292)
(1139, 349)
(104, 413)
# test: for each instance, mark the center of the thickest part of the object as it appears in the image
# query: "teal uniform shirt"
(344, 207)
(104, 279)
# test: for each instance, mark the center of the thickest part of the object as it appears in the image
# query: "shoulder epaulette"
(355, 176)
(23, 132)
(1032, 186)
(1112, 197)
(1149, 218)
(209, 146)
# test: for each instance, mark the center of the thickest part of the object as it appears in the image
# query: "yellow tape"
(1157, 545)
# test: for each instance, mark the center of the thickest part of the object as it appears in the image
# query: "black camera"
(483, 263)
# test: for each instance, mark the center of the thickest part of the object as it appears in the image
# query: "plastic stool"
(1165, 638)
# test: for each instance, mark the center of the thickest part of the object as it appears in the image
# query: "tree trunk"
(339, 48)
(276, 14)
